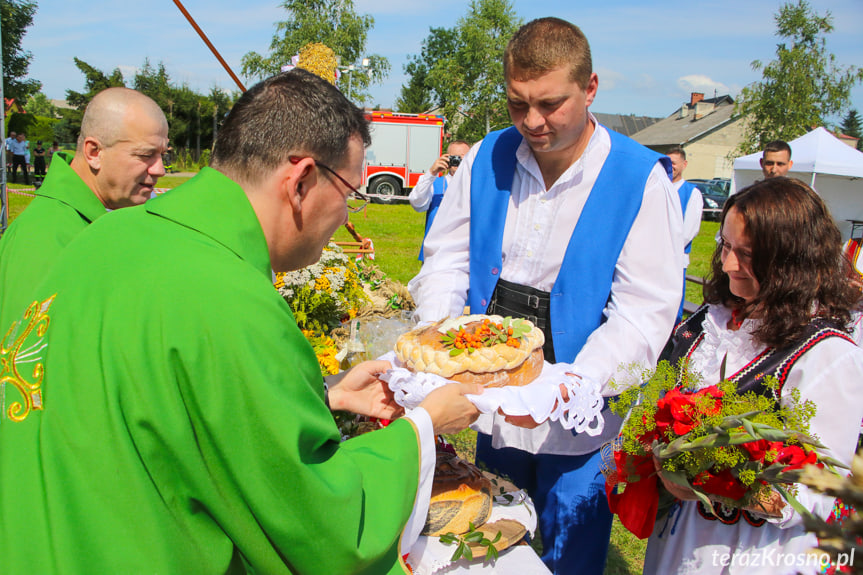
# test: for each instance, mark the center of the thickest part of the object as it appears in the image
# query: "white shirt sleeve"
(428, 458)
(440, 288)
(645, 291)
(692, 221)
(421, 195)
(692, 216)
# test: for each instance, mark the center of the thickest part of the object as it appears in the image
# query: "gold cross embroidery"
(14, 358)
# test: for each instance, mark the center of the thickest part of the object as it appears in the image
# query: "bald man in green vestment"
(116, 164)
(163, 413)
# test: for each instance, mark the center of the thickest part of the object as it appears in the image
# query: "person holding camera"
(428, 193)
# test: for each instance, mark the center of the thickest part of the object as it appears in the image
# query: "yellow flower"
(322, 283)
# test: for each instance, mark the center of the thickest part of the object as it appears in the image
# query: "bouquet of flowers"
(325, 293)
(720, 444)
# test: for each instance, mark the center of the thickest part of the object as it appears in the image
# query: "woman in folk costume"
(778, 303)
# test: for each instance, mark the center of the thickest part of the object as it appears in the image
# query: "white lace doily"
(541, 399)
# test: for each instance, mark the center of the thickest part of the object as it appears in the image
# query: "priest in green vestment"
(163, 413)
(116, 164)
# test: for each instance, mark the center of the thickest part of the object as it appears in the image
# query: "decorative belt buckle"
(533, 301)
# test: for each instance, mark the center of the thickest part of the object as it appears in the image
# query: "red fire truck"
(404, 146)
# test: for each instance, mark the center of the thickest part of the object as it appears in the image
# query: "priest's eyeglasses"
(356, 201)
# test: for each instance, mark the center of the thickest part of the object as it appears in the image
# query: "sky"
(649, 55)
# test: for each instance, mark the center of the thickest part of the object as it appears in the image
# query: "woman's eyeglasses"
(360, 200)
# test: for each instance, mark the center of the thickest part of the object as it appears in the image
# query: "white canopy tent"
(832, 168)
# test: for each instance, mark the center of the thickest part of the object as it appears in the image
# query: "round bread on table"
(461, 495)
(487, 349)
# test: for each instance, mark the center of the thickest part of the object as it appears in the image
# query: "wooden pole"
(209, 44)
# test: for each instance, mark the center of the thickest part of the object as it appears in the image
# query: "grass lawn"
(396, 231)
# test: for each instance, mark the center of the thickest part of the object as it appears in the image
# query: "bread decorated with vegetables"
(491, 350)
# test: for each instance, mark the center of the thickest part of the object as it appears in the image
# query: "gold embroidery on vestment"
(15, 358)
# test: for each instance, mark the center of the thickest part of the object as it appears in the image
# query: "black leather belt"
(514, 300)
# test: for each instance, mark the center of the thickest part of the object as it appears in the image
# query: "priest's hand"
(449, 409)
(360, 391)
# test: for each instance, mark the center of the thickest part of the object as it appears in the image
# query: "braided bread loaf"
(430, 349)
(461, 495)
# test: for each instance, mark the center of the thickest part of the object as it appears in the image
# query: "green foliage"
(472, 536)
(15, 17)
(40, 105)
(323, 294)
(709, 428)
(94, 82)
(419, 94)
(193, 119)
(330, 22)
(801, 87)
(35, 127)
(463, 68)
(851, 127)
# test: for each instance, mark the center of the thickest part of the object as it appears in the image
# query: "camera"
(454, 161)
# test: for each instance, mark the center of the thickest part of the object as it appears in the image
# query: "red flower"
(794, 457)
(663, 419)
(682, 411)
(758, 449)
(723, 484)
(706, 406)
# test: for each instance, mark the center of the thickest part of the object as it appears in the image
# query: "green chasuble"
(180, 426)
(63, 207)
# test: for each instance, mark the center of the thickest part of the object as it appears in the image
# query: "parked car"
(714, 195)
(724, 183)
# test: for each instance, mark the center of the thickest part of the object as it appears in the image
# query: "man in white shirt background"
(691, 203)
(20, 149)
(577, 228)
(428, 193)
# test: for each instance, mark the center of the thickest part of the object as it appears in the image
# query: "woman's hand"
(770, 506)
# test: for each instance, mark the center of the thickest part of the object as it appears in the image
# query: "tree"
(40, 105)
(801, 87)
(465, 68)
(851, 127)
(330, 22)
(155, 83)
(15, 17)
(418, 95)
(95, 81)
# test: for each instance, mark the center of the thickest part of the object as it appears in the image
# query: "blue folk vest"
(438, 190)
(583, 285)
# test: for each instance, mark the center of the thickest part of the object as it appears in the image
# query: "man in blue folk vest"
(691, 203)
(562, 220)
(428, 193)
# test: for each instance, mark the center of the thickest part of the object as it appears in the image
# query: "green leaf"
(466, 551)
(473, 537)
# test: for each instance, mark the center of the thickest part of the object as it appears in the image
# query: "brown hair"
(796, 258)
(777, 146)
(676, 150)
(542, 45)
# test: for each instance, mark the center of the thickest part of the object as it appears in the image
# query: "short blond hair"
(545, 44)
